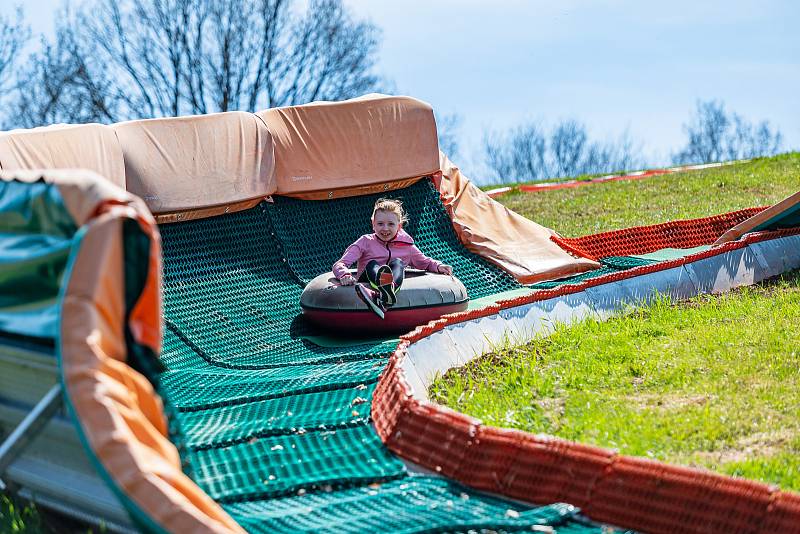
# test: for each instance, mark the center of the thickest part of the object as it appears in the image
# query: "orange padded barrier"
(657, 497)
(625, 491)
(533, 468)
(783, 514)
(433, 436)
(390, 398)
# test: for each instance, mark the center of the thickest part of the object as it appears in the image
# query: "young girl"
(382, 257)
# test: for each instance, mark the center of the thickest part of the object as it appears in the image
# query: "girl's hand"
(347, 280)
(445, 269)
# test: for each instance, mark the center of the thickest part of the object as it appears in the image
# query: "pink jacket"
(371, 247)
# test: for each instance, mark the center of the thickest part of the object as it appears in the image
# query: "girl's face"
(385, 224)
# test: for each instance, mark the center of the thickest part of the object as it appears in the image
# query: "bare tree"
(115, 60)
(59, 84)
(448, 127)
(714, 135)
(528, 152)
(568, 148)
(14, 34)
(519, 155)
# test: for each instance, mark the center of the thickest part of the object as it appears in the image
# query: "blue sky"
(614, 65)
(610, 64)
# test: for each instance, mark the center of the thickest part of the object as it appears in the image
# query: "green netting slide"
(277, 427)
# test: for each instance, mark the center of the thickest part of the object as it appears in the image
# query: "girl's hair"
(391, 206)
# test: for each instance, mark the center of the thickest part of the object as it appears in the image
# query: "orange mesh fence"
(757, 237)
(657, 497)
(433, 436)
(569, 184)
(575, 467)
(434, 326)
(645, 239)
(783, 514)
(488, 460)
(533, 468)
(425, 330)
(390, 398)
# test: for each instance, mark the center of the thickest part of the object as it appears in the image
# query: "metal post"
(29, 428)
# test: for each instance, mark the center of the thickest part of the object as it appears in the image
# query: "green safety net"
(276, 427)
(311, 250)
(669, 254)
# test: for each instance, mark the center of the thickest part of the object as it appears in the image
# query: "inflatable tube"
(423, 297)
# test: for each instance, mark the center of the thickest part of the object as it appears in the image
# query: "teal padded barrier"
(36, 234)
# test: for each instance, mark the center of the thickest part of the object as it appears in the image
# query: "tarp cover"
(784, 214)
(187, 163)
(518, 245)
(64, 146)
(335, 146)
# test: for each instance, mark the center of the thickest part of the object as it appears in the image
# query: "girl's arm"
(419, 260)
(350, 256)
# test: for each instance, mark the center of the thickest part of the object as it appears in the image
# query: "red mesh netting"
(433, 436)
(544, 469)
(645, 239)
(390, 397)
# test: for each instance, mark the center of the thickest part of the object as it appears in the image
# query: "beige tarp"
(201, 166)
(516, 244)
(773, 212)
(64, 146)
(341, 148)
(85, 193)
(187, 163)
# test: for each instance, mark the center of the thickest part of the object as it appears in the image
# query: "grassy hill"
(607, 206)
(713, 382)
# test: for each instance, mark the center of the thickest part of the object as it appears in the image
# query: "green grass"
(22, 517)
(712, 382)
(16, 516)
(607, 206)
(578, 178)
